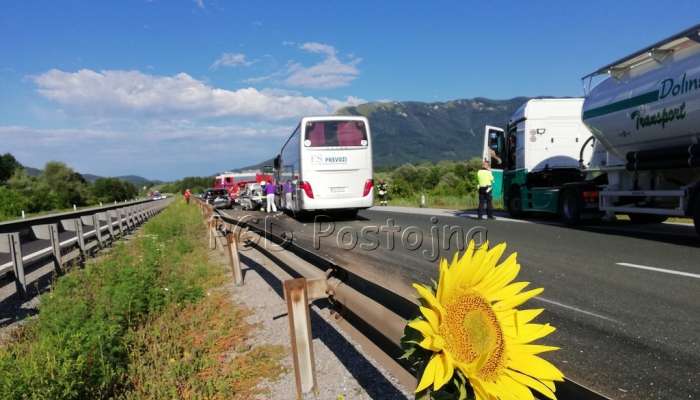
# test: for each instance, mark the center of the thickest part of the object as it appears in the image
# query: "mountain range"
(411, 131)
(136, 180)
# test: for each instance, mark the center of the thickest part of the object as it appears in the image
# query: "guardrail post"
(120, 221)
(128, 218)
(98, 229)
(296, 295)
(213, 224)
(78, 224)
(12, 244)
(56, 248)
(107, 217)
(235, 262)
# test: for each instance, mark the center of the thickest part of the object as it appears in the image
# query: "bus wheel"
(515, 204)
(647, 218)
(570, 209)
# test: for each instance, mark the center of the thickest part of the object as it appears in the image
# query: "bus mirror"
(277, 162)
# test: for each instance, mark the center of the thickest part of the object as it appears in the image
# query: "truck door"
(495, 152)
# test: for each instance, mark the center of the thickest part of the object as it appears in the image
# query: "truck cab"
(539, 153)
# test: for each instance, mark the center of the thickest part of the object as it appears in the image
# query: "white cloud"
(349, 101)
(116, 92)
(199, 3)
(330, 73)
(232, 60)
(315, 47)
(155, 149)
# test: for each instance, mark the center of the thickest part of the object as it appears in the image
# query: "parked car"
(251, 197)
(218, 198)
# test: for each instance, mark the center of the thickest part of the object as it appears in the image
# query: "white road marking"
(665, 271)
(572, 308)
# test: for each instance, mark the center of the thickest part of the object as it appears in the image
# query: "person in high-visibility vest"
(485, 178)
(383, 193)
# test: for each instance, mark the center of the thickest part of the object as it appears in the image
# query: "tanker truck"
(639, 153)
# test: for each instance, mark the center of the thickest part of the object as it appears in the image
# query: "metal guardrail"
(372, 314)
(64, 237)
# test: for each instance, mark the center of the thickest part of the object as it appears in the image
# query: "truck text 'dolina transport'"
(631, 146)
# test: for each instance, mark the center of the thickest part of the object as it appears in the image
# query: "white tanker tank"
(647, 112)
(646, 117)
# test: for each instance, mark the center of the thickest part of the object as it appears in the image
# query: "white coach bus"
(326, 164)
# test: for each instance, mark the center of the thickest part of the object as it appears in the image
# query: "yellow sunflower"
(471, 324)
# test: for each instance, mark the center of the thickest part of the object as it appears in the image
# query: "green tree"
(35, 191)
(12, 203)
(112, 189)
(68, 186)
(8, 166)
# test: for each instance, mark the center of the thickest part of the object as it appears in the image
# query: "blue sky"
(166, 89)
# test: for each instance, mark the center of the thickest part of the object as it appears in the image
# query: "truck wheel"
(647, 218)
(515, 204)
(570, 208)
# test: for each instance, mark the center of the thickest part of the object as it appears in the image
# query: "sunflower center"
(473, 334)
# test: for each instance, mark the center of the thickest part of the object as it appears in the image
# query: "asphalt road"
(625, 298)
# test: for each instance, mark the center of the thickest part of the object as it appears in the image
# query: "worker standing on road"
(187, 196)
(485, 178)
(270, 189)
(383, 192)
(288, 188)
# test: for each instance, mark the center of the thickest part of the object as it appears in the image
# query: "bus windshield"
(335, 134)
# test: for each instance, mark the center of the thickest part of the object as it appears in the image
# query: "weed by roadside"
(97, 330)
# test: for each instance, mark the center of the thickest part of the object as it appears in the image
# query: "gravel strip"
(343, 371)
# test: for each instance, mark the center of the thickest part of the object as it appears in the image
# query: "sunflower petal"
(535, 367)
(508, 291)
(428, 376)
(479, 391)
(432, 318)
(526, 316)
(532, 348)
(432, 343)
(481, 269)
(531, 332)
(423, 327)
(494, 255)
(501, 275)
(442, 280)
(532, 382)
(517, 300)
(448, 369)
(516, 389)
(439, 372)
(429, 297)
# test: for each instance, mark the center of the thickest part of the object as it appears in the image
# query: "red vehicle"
(233, 182)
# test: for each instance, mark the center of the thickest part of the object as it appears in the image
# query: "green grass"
(96, 328)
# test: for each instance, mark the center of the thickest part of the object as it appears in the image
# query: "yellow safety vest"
(485, 177)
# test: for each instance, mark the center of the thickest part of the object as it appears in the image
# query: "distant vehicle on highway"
(219, 198)
(157, 196)
(641, 156)
(328, 162)
(251, 197)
